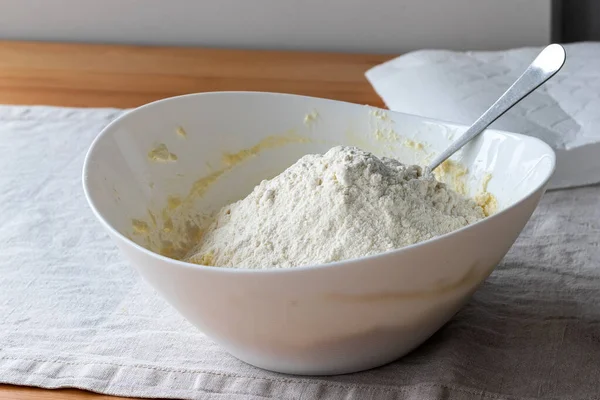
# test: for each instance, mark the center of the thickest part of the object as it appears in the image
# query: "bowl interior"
(162, 165)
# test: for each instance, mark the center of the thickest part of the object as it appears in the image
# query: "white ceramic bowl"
(322, 319)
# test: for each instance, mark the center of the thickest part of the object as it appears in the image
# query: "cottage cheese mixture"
(344, 204)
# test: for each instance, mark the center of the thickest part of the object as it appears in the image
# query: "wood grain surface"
(81, 75)
(128, 76)
(29, 393)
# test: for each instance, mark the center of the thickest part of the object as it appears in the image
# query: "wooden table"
(128, 76)
(81, 75)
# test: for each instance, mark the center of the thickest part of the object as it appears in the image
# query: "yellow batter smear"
(181, 132)
(201, 185)
(453, 174)
(232, 159)
(167, 249)
(206, 259)
(139, 227)
(176, 237)
(270, 142)
(167, 225)
(161, 154)
(152, 217)
(164, 213)
(193, 233)
(189, 237)
(379, 114)
(386, 134)
(311, 117)
(173, 202)
(413, 145)
(384, 128)
(485, 199)
(485, 181)
(487, 202)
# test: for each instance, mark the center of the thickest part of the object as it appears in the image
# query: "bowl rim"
(297, 269)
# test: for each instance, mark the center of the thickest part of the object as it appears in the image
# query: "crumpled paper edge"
(566, 175)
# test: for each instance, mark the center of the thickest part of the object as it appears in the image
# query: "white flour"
(344, 204)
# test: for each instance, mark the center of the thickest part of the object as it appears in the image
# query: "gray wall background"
(339, 25)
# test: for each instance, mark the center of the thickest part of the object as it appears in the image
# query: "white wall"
(343, 25)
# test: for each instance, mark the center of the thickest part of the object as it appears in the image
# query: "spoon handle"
(545, 65)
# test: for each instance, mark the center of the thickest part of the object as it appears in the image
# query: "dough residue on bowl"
(177, 227)
(341, 205)
(161, 153)
(310, 118)
(485, 199)
(180, 226)
(181, 132)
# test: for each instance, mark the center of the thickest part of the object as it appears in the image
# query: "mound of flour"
(344, 204)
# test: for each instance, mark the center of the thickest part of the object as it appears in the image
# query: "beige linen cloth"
(74, 314)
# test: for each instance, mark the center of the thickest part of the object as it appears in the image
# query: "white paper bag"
(460, 86)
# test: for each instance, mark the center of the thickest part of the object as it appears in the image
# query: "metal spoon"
(545, 65)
